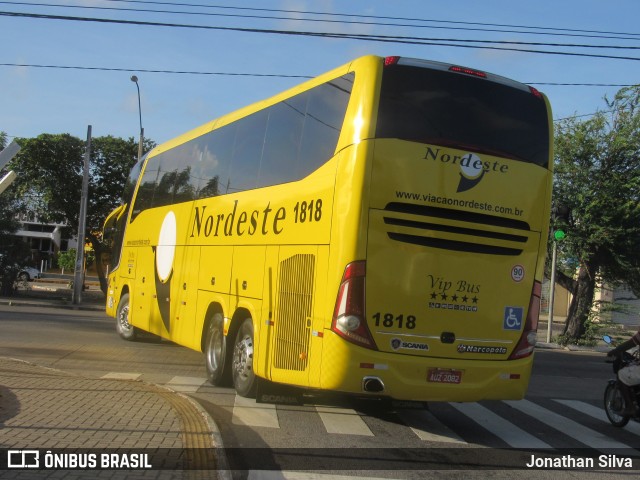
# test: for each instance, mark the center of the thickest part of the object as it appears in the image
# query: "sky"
(89, 63)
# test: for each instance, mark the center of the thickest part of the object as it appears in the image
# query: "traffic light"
(560, 221)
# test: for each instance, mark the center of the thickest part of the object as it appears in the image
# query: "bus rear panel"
(457, 226)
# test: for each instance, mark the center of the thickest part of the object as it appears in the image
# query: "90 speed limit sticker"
(517, 273)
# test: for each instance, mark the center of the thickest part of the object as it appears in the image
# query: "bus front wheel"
(123, 327)
(244, 378)
(215, 352)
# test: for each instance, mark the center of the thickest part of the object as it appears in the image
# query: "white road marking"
(186, 384)
(247, 412)
(427, 427)
(343, 421)
(598, 413)
(121, 376)
(581, 433)
(505, 430)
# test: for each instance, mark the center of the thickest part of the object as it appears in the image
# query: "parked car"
(27, 274)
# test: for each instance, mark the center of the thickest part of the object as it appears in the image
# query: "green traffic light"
(559, 234)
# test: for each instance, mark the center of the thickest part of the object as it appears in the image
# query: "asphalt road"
(562, 412)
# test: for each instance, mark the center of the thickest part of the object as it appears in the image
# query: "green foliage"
(597, 175)
(13, 252)
(50, 169)
(67, 260)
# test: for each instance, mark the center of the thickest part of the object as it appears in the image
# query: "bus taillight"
(468, 71)
(349, 314)
(388, 61)
(529, 335)
(535, 91)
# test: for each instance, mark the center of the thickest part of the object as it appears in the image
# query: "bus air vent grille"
(293, 309)
(472, 232)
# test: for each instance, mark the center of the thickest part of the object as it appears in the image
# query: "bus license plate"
(438, 375)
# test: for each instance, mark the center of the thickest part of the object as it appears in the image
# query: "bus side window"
(282, 142)
(323, 123)
(247, 152)
(213, 161)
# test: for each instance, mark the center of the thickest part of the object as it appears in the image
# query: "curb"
(572, 348)
(49, 304)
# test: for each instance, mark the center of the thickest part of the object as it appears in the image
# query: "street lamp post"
(134, 79)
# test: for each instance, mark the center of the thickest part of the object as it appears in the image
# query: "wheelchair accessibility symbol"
(513, 318)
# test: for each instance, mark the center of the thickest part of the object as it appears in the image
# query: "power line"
(375, 38)
(549, 30)
(555, 32)
(142, 70)
(249, 74)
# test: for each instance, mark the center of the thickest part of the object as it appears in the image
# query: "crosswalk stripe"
(121, 376)
(427, 427)
(247, 412)
(597, 413)
(185, 384)
(583, 434)
(423, 423)
(343, 421)
(505, 430)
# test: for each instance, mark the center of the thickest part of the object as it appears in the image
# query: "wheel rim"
(123, 319)
(214, 352)
(243, 358)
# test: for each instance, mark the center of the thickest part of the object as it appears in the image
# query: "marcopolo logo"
(472, 167)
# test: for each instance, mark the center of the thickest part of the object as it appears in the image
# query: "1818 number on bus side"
(390, 320)
(308, 211)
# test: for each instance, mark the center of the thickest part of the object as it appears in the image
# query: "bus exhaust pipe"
(372, 385)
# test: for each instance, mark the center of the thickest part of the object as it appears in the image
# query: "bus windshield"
(456, 110)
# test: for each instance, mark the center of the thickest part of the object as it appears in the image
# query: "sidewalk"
(48, 410)
(48, 292)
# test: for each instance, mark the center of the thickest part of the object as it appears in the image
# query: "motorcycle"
(614, 400)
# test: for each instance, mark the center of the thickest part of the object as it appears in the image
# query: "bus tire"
(244, 378)
(123, 327)
(215, 352)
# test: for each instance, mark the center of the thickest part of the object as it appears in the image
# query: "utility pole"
(78, 279)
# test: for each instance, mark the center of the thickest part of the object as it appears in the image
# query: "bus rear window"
(450, 109)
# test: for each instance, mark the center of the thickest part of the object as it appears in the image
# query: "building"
(44, 240)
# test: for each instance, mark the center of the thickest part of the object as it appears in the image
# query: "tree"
(49, 181)
(597, 175)
(67, 260)
(12, 251)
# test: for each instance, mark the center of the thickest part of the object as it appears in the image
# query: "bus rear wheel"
(244, 378)
(123, 327)
(215, 352)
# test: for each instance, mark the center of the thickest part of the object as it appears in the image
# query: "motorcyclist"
(630, 374)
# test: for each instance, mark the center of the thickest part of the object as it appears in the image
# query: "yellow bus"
(378, 230)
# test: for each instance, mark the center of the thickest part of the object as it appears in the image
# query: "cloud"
(296, 8)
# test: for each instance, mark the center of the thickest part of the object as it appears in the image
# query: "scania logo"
(472, 167)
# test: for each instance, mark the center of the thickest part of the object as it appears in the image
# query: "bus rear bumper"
(351, 369)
